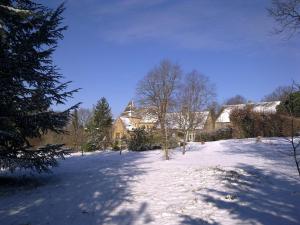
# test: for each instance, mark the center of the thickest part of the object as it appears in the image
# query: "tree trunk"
(166, 150)
(184, 144)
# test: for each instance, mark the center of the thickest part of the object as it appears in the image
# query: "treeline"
(87, 129)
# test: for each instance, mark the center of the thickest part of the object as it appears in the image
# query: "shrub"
(221, 134)
(173, 143)
(116, 146)
(89, 147)
(246, 124)
(139, 140)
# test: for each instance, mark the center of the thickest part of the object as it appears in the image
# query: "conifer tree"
(101, 124)
(102, 115)
(30, 84)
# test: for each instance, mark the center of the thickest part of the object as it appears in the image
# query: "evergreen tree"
(291, 105)
(102, 115)
(30, 84)
(101, 124)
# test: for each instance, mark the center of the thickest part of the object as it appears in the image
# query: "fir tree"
(102, 115)
(30, 84)
(101, 124)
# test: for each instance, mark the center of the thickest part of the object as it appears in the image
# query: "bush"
(246, 124)
(221, 134)
(173, 143)
(89, 147)
(139, 140)
(116, 146)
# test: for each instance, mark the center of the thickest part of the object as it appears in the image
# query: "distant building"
(133, 118)
(223, 119)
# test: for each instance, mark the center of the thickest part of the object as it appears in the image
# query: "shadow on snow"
(80, 193)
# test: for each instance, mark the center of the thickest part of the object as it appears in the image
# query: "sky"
(111, 45)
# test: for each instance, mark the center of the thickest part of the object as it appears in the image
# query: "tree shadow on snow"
(188, 220)
(254, 196)
(95, 189)
(277, 151)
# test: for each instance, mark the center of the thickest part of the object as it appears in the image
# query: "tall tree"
(156, 91)
(195, 95)
(101, 124)
(30, 84)
(287, 15)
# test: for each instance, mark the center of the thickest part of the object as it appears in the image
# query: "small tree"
(157, 92)
(75, 128)
(30, 84)
(195, 95)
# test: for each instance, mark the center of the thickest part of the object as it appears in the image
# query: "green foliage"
(100, 126)
(116, 146)
(102, 116)
(291, 105)
(173, 143)
(30, 84)
(221, 134)
(139, 140)
(88, 147)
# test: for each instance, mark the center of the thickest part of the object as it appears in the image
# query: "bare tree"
(195, 95)
(238, 99)
(157, 91)
(214, 109)
(279, 94)
(84, 116)
(287, 15)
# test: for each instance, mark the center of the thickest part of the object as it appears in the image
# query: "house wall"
(209, 124)
(119, 130)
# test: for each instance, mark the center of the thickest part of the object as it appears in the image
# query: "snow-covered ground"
(223, 182)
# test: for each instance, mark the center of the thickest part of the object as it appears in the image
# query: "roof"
(127, 123)
(266, 107)
(149, 118)
(174, 120)
(224, 117)
(261, 107)
(130, 110)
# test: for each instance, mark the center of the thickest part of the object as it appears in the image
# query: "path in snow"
(224, 182)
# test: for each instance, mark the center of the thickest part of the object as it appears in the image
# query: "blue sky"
(111, 45)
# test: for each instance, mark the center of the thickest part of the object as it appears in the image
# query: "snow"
(223, 182)
(15, 9)
(261, 107)
(200, 120)
(127, 123)
(149, 118)
(224, 117)
(266, 107)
